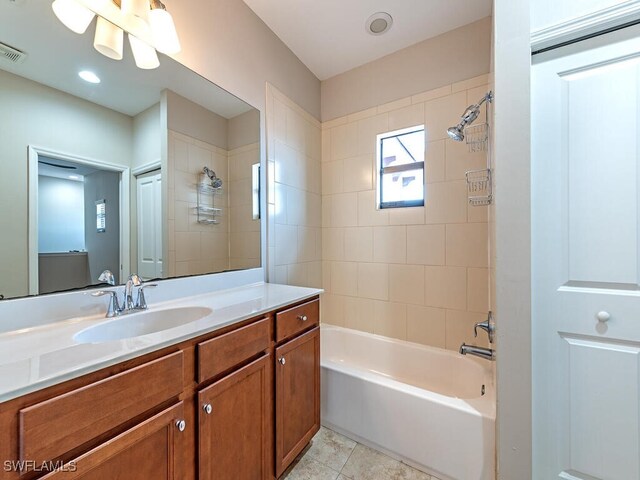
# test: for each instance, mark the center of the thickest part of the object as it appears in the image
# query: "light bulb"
(109, 39)
(163, 30)
(89, 76)
(144, 55)
(73, 15)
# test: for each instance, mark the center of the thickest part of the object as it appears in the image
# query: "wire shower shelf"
(479, 187)
(477, 137)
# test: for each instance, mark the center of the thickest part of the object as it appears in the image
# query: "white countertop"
(40, 356)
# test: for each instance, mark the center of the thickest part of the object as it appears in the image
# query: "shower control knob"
(603, 316)
(282, 360)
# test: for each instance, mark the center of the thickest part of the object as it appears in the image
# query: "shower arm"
(472, 111)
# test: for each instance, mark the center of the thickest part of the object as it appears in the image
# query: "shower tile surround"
(418, 274)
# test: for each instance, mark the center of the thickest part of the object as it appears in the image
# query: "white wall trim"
(589, 24)
(33, 153)
(147, 167)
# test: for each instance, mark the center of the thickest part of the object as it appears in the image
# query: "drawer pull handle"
(282, 360)
(181, 424)
(304, 318)
(207, 408)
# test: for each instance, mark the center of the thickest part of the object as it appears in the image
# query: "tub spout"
(486, 353)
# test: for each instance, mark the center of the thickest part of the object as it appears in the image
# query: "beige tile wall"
(294, 227)
(194, 248)
(418, 273)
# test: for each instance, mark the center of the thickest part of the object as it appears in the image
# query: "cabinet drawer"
(56, 426)
(226, 351)
(296, 319)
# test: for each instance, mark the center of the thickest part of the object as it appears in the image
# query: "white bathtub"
(420, 404)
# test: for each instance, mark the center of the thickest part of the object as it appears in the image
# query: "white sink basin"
(138, 324)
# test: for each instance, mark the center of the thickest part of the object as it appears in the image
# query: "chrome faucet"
(116, 309)
(486, 353)
(488, 326)
(133, 281)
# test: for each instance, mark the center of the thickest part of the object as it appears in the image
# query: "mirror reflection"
(108, 167)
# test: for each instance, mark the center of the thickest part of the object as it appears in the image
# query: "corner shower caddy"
(479, 182)
(206, 210)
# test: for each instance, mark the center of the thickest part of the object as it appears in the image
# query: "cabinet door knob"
(207, 408)
(181, 425)
(303, 318)
(282, 360)
(603, 316)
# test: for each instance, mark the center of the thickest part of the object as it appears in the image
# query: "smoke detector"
(379, 23)
(11, 54)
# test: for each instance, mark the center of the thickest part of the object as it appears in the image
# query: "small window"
(401, 168)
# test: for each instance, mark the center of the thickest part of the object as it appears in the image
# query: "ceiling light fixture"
(89, 76)
(149, 26)
(379, 23)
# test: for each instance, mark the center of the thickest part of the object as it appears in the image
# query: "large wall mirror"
(148, 171)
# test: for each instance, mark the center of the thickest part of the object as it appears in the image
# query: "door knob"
(603, 316)
(207, 408)
(282, 360)
(303, 318)
(181, 424)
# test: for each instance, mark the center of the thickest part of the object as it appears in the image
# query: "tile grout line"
(347, 461)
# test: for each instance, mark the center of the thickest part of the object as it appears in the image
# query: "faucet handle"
(113, 310)
(107, 277)
(488, 326)
(141, 302)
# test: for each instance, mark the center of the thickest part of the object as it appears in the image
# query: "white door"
(586, 260)
(149, 225)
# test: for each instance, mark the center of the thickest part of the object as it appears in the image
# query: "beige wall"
(445, 59)
(244, 151)
(244, 231)
(294, 193)
(47, 118)
(418, 273)
(224, 41)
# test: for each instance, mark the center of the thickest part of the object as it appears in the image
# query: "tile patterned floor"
(332, 456)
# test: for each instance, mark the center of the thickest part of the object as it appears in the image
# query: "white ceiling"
(329, 36)
(55, 55)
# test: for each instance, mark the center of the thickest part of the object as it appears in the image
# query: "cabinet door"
(297, 396)
(236, 426)
(147, 451)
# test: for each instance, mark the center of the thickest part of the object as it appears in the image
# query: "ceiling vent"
(11, 54)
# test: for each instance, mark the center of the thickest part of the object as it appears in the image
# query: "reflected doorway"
(77, 221)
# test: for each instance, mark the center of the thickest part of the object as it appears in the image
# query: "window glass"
(401, 168)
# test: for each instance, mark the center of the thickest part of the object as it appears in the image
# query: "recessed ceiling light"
(379, 23)
(89, 76)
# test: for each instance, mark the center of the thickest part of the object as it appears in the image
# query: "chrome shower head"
(468, 117)
(456, 133)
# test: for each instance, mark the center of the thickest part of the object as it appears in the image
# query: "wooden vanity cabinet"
(297, 381)
(235, 425)
(149, 450)
(209, 408)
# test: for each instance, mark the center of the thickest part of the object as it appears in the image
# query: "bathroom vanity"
(234, 394)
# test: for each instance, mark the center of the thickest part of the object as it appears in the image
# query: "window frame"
(381, 171)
